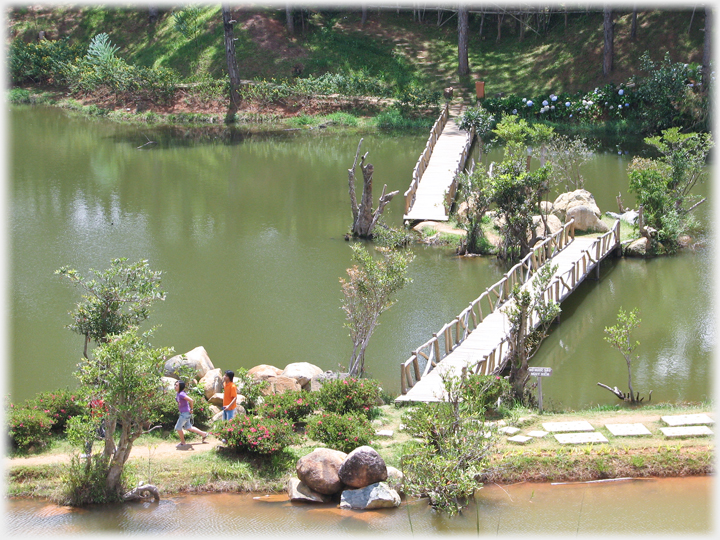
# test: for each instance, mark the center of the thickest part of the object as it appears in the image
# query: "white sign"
(540, 371)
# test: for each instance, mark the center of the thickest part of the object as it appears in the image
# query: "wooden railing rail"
(457, 330)
(424, 158)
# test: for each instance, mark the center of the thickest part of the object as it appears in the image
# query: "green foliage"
(416, 96)
(343, 432)
(40, 61)
(619, 336)
(480, 119)
(396, 119)
(474, 190)
(28, 427)
(293, 405)
(455, 444)
(350, 395)
(250, 388)
(256, 434)
(188, 21)
(118, 298)
(60, 405)
(368, 293)
(568, 155)
(85, 482)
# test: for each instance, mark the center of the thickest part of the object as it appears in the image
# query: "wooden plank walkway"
(484, 349)
(434, 177)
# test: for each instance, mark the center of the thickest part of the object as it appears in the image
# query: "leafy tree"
(619, 336)
(530, 314)
(567, 155)
(455, 444)
(125, 373)
(368, 292)
(663, 186)
(115, 300)
(474, 191)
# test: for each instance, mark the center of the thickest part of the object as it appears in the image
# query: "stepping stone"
(519, 439)
(568, 426)
(537, 434)
(686, 431)
(627, 430)
(509, 430)
(687, 419)
(580, 438)
(384, 433)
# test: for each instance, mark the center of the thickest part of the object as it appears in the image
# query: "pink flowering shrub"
(351, 395)
(60, 405)
(255, 434)
(28, 427)
(293, 405)
(343, 432)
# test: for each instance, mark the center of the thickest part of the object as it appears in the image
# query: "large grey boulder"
(197, 361)
(395, 479)
(378, 495)
(362, 467)
(586, 219)
(280, 385)
(318, 380)
(299, 492)
(319, 470)
(263, 371)
(553, 222)
(579, 197)
(212, 382)
(302, 372)
(637, 248)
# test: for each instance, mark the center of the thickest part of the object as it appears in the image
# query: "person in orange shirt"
(229, 396)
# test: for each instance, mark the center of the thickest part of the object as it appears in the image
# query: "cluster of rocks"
(359, 480)
(196, 364)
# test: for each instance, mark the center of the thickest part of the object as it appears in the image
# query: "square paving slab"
(686, 431)
(627, 430)
(582, 425)
(537, 434)
(509, 430)
(580, 438)
(687, 419)
(519, 439)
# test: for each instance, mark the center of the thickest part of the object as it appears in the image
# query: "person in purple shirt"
(185, 405)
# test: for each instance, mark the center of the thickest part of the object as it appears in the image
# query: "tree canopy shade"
(115, 300)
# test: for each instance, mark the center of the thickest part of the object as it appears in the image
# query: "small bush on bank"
(351, 395)
(86, 481)
(255, 434)
(59, 405)
(395, 119)
(28, 427)
(293, 405)
(343, 432)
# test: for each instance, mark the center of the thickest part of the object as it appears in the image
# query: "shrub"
(59, 405)
(86, 482)
(343, 432)
(294, 405)
(350, 395)
(250, 388)
(258, 435)
(29, 427)
(40, 61)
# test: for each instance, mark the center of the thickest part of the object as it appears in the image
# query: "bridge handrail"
(424, 158)
(457, 330)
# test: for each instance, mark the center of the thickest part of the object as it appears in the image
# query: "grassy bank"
(541, 460)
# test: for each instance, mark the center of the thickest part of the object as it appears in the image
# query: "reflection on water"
(667, 506)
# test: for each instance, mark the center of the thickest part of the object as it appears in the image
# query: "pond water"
(249, 232)
(669, 507)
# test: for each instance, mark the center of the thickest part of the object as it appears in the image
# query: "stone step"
(686, 431)
(580, 438)
(519, 439)
(628, 430)
(556, 427)
(687, 419)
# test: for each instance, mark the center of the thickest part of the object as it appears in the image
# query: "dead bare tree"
(364, 219)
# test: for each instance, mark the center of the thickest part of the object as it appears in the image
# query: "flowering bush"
(293, 405)
(265, 436)
(343, 432)
(166, 411)
(59, 405)
(350, 395)
(28, 427)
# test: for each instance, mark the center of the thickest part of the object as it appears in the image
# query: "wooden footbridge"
(434, 179)
(477, 339)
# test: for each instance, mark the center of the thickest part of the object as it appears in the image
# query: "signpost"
(540, 372)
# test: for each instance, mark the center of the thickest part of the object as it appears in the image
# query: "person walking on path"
(229, 396)
(185, 405)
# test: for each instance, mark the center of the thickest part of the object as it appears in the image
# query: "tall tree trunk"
(152, 14)
(633, 25)
(363, 16)
(463, 65)
(707, 49)
(233, 70)
(499, 26)
(289, 18)
(608, 40)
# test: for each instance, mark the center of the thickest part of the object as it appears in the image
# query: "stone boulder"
(362, 467)
(217, 399)
(168, 384)
(378, 495)
(395, 479)
(280, 385)
(302, 372)
(629, 216)
(586, 219)
(299, 492)
(319, 470)
(579, 197)
(212, 382)
(637, 248)
(263, 371)
(318, 380)
(554, 224)
(197, 360)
